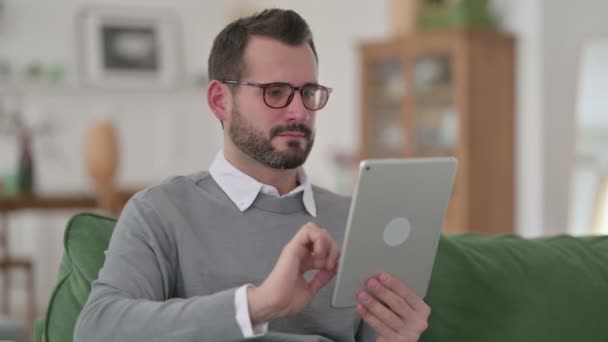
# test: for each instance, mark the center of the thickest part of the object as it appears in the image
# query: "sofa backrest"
(511, 289)
(85, 240)
(482, 288)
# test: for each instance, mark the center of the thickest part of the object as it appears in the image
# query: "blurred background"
(99, 99)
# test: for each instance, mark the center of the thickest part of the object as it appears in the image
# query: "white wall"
(523, 19)
(550, 34)
(162, 133)
(566, 26)
(167, 116)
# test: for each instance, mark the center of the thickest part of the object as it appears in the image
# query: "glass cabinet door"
(435, 117)
(385, 92)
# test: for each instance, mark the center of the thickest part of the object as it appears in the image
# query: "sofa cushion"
(85, 240)
(512, 289)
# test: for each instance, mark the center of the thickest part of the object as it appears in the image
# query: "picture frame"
(129, 48)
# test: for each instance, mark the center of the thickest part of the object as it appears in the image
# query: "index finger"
(311, 238)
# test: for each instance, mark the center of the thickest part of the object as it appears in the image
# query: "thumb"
(321, 278)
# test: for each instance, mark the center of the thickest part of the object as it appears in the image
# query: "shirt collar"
(243, 189)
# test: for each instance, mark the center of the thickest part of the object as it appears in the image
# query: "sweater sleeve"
(130, 299)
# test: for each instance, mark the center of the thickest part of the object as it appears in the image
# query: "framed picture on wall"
(127, 47)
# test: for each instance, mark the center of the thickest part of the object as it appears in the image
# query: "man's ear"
(219, 100)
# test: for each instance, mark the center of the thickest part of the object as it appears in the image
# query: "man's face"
(277, 138)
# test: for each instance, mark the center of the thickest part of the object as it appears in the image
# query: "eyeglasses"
(279, 94)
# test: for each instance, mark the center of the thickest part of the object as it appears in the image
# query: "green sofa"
(482, 289)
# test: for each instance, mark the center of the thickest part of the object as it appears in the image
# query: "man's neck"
(283, 180)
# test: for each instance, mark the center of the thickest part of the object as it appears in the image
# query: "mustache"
(294, 127)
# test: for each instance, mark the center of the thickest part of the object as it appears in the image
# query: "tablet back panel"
(394, 224)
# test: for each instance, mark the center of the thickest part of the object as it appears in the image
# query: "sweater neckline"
(280, 205)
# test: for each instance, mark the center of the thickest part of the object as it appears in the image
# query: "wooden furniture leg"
(7, 264)
(4, 254)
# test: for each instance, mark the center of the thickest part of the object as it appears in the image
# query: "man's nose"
(296, 110)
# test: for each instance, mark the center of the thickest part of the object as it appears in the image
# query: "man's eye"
(309, 93)
(276, 91)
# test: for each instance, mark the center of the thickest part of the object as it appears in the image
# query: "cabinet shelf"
(435, 152)
(440, 108)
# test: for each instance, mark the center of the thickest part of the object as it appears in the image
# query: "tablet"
(395, 221)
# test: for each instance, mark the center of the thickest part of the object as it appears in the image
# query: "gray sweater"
(181, 249)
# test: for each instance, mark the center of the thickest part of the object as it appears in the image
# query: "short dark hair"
(226, 57)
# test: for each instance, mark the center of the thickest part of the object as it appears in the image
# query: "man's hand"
(285, 292)
(396, 313)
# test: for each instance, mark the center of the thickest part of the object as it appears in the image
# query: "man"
(239, 252)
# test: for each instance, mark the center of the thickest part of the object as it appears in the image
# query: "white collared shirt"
(243, 190)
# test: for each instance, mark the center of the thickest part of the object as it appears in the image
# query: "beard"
(258, 145)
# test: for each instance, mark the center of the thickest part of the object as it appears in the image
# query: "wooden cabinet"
(447, 94)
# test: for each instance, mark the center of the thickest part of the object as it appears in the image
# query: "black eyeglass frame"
(265, 86)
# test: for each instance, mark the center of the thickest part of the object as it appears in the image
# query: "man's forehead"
(269, 57)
